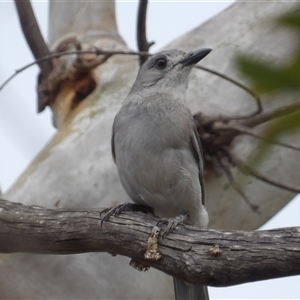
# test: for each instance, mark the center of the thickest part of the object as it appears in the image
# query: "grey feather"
(189, 291)
(156, 147)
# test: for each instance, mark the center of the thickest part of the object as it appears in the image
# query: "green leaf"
(278, 127)
(267, 78)
(285, 124)
(291, 19)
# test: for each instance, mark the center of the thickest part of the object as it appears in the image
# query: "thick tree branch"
(142, 42)
(37, 45)
(33, 35)
(216, 258)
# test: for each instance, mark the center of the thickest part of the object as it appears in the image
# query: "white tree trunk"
(76, 170)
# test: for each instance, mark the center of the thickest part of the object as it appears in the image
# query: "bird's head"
(168, 70)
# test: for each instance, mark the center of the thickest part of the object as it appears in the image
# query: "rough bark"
(210, 257)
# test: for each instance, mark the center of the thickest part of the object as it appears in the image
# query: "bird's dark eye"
(161, 63)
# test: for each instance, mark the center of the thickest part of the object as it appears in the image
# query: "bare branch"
(242, 129)
(237, 188)
(58, 54)
(245, 121)
(142, 42)
(33, 35)
(271, 115)
(243, 87)
(188, 253)
(211, 126)
(248, 170)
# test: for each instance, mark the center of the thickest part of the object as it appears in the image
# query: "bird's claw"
(171, 223)
(117, 210)
(113, 211)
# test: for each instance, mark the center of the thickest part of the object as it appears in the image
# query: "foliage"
(266, 77)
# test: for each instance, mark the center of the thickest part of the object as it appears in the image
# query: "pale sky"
(23, 133)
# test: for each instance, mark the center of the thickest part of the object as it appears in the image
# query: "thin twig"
(142, 42)
(247, 122)
(243, 87)
(242, 129)
(248, 170)
(237, 188)
(271, 115)
(58, 54)
(33, 35)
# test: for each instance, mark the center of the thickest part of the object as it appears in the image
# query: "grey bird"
(157, 150)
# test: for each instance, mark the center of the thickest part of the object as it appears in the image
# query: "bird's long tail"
(188, 291)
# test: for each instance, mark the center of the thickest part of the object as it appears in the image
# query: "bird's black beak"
(195, 56)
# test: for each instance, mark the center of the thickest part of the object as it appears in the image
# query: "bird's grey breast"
(158, 166)
(153, 123)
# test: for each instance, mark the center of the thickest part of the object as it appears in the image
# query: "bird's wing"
(196, 149)
(113, 143)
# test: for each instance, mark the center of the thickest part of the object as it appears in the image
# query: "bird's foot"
(117, 210)
(172, 223)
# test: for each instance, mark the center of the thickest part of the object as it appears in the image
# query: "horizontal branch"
(210, 257)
